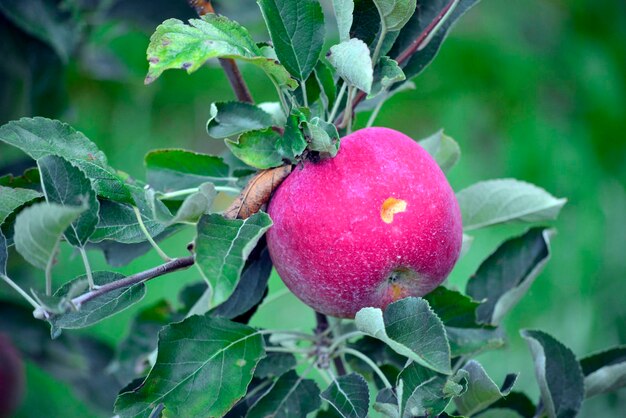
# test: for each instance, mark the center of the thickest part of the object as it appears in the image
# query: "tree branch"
(408, 52)
(203, 7)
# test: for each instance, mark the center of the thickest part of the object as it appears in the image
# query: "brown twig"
(408, 52)
(203, 7)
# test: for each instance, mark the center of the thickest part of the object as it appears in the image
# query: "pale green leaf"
(39, 228)
(605, 371)
(481, 390)
(323, 137)
(195, 205)
(12, 199)
(290, 396)
(493, 202)
(65, 184)
(351, 59)
(39, 137)
(222, 247)
(343, 14)
(395, 13)
(411, 328)
(349, 395)
(204, 365)
(443, 149)
(118, 222)
(257, 148)
(386, 73)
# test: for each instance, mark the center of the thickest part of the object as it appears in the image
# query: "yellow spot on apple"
(390, 207)
(396, 292)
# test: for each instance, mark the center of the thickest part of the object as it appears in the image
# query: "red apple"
(11, 377)
(377, 223)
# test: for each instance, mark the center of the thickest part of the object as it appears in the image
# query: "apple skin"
(336, 241)
(11, 377)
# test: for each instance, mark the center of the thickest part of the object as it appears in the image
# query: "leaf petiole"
(149, 238)
(369, 362)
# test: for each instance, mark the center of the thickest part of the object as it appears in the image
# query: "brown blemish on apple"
(390, 207)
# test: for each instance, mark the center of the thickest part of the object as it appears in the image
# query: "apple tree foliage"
(415, 358)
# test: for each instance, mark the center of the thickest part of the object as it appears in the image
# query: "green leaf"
(387, 402)
(38, 230)
(466, 341)
(257, 148)
(443, 149)
(605, 371)
(395, 13)
(326, 81)
(131, 360)
(500, 413)
(251, 288)
(343, 14)
(323, 137)
(453, 308)
(28, 180)
(481, 390)
(13, 199)
(118, 222)
(275, 364)
(297, 32)
(411, 328)
(195, 205)
(290, 396)
(507, 274)
(351, 59)
(293, 143)
(47, 21)
(204, 365)
(99, 308)
(175, 44)
(443, 17)
(349, 395)
(233, 118)
(176, 169)
(558, 373)
(386, 73)
(222, 247)
(515, 401)
(39, 137)
(426, 392)
(493, 202)
(65, 184)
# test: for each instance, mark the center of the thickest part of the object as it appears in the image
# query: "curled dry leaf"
(257, 192)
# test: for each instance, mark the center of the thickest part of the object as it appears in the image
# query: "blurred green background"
(530, 89)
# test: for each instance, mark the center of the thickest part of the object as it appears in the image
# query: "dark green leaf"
(257, 148)
(465, 341)
(387, 402)
(39, 137)
(518, 402)
(175, 44)
(233, 118)
(343, 14)
(275, 365)
(252, 285)
(328, 89)
(395, 13)
(177, 169)
(131, 360)
(4, 255)
(453, 308)
(443, 18)
(65, 184)
(99, 308)
(443, 149)
(46, 21)
(411, 328)
(426, 392)
(386, 73)
(558, 373)
(293, 143)
(28, 180)
(351, 59)
(366, 21)
(75, 360)
(605, 371)
(204, 366)
(349, 395)
(38, 230)
(290, 396)
(506, 275)
(119, 222)
(297, 32)
(379, 352)
(506, 200)
(13, 199)
(481, 390)
(323, 137)
(222, 246)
